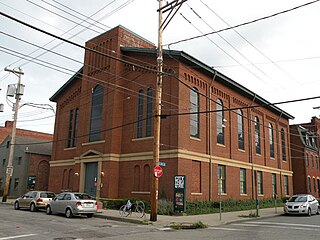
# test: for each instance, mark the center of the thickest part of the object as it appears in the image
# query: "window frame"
(140, 114)
(149, 112)
(219, 122)
(194, 108)
(96, 114)
(257, 135)
(283, 145)
(243, 181)
(240, 130)
(271, 141)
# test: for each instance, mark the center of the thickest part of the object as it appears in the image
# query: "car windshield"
(298, 199)
(47, 195)
(82, 196)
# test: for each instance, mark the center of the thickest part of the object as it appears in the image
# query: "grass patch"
(251, 215)
(178, 226)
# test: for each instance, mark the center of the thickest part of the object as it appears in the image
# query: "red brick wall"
(120, 108)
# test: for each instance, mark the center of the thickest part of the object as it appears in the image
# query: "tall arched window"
(283, 145)
(240, 130)
(96, 114)
(257, 135)
(149, 112)
(271, 140)
(307, 160)
(140, 114)
(194, 118)
(219, 122)
(75, 128)
(69, 143)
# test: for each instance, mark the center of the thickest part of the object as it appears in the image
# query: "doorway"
(90, 185)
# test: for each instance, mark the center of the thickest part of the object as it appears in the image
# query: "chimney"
(9, 124)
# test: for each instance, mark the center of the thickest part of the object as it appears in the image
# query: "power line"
(247, 41)
(243, 24)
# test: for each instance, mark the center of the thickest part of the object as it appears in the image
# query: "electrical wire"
(243, 24)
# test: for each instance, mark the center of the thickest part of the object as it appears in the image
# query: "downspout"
(250, 149)
(279, 143)
(210, 137)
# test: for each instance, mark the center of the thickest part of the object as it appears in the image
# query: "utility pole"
(173, 7)
(18, 93)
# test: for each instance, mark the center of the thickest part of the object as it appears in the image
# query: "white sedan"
(302, 204)
(70, 204)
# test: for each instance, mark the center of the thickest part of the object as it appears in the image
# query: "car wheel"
(16, 205)
(33, 207)
(89, 215)
(48, 210)
(69, 213)
(317, 211)
(309, 212)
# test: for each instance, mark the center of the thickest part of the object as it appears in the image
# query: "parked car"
(302, 204)
(33, 200)
(71, 203)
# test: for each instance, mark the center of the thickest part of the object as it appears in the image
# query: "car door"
(24, 200)
(56, 203)
(314, 204)
(66, 201)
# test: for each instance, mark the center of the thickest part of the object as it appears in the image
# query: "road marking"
(285, 224)
(18, 236)
(231, 229)
(272, 226)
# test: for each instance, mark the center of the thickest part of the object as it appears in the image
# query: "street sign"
(162, 164)
(10, 171)
(157, 171)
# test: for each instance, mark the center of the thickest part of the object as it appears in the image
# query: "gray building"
(30, 165)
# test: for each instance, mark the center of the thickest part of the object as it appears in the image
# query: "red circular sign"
(157, 171)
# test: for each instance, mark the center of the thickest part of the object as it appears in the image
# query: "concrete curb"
(123, 219)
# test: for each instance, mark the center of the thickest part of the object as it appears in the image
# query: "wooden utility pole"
(173, 7)
(9, 170)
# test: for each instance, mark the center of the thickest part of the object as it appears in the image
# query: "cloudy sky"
(278, 58)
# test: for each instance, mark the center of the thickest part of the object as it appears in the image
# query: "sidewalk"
(166, 221)
(208, 219)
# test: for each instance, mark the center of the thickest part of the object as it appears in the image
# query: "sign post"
(179, 203)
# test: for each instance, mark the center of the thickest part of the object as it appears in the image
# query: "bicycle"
(137, 207)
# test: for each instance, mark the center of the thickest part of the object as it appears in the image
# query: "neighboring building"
(7, 130)
(103, 137)
(305, 157)
(30, 165)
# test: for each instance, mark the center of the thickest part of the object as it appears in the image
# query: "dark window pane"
(96, 114)
(194, 118)
(149, 112)
(140, 114)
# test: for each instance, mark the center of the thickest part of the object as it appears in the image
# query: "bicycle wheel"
(141, 204)
(123, 211)
(139, 211)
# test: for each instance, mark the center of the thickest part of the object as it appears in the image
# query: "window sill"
(221, 145)
(137, 192)
(243, 194)
(70, 148)
(92, 143)
(241, 150)
(141, 139)
(195, 139)
(196, 194)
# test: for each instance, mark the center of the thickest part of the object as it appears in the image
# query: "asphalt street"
(24, 224)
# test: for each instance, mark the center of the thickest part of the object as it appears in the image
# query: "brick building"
(305, 157)
(30, 165)
(103, 140)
